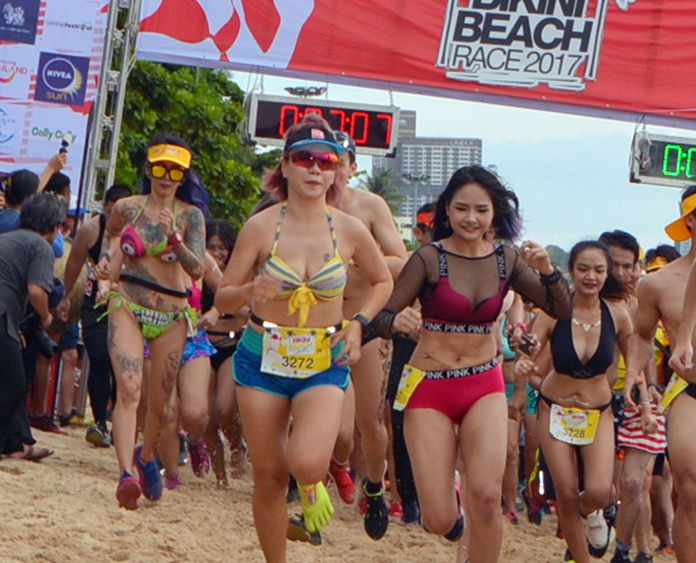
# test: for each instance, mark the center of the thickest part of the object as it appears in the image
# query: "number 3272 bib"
(297, 353)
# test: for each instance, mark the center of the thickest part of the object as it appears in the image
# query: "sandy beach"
(63, 509)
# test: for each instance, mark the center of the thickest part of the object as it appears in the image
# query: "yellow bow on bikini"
(302, 300)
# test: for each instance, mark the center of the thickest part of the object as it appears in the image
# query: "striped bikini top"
(327, 284)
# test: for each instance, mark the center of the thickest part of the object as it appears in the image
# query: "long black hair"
(613, 287)
(507, 223)
(222, 229)
(192, 190)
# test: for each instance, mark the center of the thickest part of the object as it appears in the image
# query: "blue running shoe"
(150, 477)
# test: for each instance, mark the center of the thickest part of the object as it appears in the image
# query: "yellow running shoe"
(316, 506)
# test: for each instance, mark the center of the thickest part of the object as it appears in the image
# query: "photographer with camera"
(18, 187)
(38, 363)
(26, 273)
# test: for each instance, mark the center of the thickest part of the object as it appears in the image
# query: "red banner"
(613, 58)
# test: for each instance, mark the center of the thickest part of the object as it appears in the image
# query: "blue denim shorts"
(247, 371)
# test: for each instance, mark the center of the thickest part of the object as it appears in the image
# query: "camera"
(30, 327)
(528, 342)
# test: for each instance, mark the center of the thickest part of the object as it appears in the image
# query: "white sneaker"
(596, 530)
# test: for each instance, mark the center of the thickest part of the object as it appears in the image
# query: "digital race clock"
(373, 128)
(663, 160)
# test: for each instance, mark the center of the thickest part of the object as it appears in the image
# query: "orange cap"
(677, 230)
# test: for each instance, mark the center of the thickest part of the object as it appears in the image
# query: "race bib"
(298, 353)
(675, 386)
(410, 379)
(573, 426)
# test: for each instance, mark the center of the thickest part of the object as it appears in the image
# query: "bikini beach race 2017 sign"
(614, 58)
(50, 61)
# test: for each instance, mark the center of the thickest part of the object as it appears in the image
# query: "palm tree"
(382, 183)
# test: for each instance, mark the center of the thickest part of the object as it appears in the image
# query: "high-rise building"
(423, 165)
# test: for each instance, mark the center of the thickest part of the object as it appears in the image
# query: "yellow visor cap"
(677, 230)
(170, 153)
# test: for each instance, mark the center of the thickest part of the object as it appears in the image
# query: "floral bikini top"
(327, 284)
(133, 246)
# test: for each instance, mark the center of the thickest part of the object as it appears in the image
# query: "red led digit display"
(372, 128)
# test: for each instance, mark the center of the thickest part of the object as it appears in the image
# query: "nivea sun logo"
(60, 75)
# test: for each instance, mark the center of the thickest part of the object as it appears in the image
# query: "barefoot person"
(289, 263)
(454, 380)
(224, 413)
(161, 235)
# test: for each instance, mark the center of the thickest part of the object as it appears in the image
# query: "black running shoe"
(293, 495)
(297, 531)
(621, 556)
(377, 513)
(411, 512)
(610, 514)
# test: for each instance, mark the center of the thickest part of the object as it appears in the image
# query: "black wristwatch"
(363, 320)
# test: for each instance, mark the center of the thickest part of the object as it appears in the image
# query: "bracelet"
(652, 384)
(520, 325)
(553, 277)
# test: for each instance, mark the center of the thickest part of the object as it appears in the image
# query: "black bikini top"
(565, 358)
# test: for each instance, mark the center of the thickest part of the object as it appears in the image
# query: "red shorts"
(453, 394)
(631, 434)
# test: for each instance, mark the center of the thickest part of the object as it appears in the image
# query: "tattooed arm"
(191, 253)
(123, 212)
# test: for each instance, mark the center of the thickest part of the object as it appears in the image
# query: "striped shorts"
(631, 434)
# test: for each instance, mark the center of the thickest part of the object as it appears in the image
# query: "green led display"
(679, 161)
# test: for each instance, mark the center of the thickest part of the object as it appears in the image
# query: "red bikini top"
(446, 310)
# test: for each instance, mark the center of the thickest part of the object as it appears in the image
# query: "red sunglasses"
(306, 159)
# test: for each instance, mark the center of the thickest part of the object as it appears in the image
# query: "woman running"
(161, 235)
(453, 389)
(224, 413)
(575, 423)
(188, 407)
(290, 263)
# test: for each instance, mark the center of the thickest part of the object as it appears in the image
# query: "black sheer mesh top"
(460, 289)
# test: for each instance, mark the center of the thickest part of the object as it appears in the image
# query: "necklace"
(586, 326)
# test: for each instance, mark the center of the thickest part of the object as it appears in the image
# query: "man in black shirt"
(26, 273)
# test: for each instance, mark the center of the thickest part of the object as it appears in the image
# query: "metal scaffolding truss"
(118, 61)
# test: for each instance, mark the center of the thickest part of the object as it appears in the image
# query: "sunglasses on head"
(159, 171)
(306, 159)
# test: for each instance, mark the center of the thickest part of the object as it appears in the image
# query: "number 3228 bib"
(573, 426)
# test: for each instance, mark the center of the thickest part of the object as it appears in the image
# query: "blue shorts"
(532, 400)
(70, 337)
(247, 371)
(196, 347)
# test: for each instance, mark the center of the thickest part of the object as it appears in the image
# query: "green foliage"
(559, 257)
(204, 107)
(382, 183)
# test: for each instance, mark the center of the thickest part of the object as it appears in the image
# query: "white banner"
(50, 61)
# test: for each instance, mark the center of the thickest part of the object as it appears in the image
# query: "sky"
(569, 172)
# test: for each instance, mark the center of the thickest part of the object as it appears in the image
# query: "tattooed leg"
(166, 359)
(369, 382)
(125, 344)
